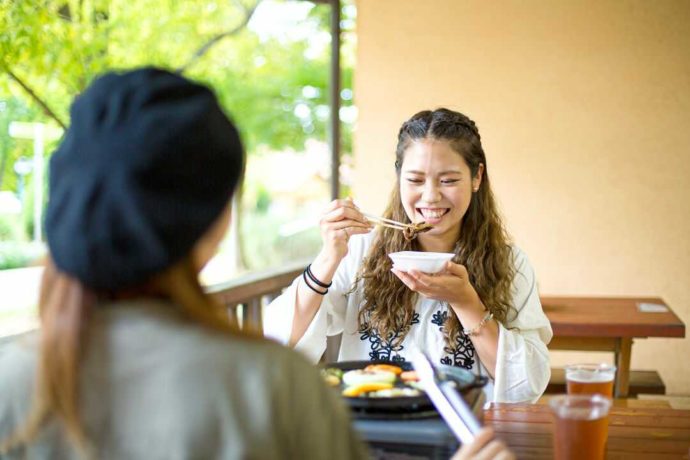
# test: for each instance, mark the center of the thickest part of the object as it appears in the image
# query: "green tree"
(52, 49)
(11, 109)
(275, 87)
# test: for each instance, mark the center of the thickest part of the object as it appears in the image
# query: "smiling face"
(436, 186)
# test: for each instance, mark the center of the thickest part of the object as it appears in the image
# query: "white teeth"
(433, 214)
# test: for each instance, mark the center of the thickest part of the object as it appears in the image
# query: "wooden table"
(634, 433)
(608, 324)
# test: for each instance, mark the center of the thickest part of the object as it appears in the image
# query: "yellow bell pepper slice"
(356, 390)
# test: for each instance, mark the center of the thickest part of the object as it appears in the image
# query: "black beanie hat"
(148, 164)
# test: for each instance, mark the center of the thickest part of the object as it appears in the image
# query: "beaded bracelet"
(315, 279)
(475, 330)
(306, 281)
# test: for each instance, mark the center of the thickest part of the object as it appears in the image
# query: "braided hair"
(483, 245)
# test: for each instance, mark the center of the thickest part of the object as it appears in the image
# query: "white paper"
(645, 307)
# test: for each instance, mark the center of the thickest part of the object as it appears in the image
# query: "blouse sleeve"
(330, 318)
(522, 361)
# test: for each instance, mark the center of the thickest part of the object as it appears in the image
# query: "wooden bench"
(641, 382)
(246, 295)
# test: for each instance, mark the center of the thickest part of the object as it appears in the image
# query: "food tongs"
(444, 395)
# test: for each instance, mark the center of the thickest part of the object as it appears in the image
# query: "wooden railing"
(246, 296)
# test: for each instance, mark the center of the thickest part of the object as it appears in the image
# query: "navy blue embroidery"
(383, 350)
(439, 318)
(462, 353)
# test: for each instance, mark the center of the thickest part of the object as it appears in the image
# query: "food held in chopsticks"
(410, 231)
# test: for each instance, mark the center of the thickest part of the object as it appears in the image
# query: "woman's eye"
(450, 181)
(413, 180)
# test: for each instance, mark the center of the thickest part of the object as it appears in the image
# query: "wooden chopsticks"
(388, 222)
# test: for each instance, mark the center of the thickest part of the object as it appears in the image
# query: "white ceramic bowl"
(426, 262)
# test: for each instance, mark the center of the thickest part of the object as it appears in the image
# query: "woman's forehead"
(436, 154)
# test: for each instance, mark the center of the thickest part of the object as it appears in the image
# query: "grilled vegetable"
(409, 376)
(359, 389)
(360, 376)
(395, 393)
(384, 367)
(332, 376)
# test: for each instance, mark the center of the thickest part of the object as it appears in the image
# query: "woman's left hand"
(451, 285)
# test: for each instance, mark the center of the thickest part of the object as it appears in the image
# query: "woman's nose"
(431, 192)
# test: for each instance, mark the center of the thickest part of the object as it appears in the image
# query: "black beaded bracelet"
(306, 281)
(316, 280)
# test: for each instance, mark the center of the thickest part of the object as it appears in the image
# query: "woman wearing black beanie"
(133, 360)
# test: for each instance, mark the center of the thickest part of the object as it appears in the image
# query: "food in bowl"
(426, 262)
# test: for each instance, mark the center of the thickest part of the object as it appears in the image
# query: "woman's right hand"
(340, 220)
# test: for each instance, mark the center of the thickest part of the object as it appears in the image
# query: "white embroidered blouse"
(522, 362)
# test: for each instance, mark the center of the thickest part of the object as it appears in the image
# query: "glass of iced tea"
(580, 426)
(590, 379)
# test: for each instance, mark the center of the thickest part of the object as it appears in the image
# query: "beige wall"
(584, 111)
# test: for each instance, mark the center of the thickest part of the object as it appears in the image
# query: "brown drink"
(590, 379)
(580, 426)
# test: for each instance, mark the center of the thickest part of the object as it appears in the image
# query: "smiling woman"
(481, 312)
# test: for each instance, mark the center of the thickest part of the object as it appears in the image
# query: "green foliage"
(268, 248)
(11, 228)
(17, 254)
(56, 48)
(12, 108)
(274, 87)
(27, 215)
(263, 199)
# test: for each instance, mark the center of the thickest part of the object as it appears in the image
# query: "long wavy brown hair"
(483, 246)
(65, 306)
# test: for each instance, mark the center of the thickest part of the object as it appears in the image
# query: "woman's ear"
(477, 179)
